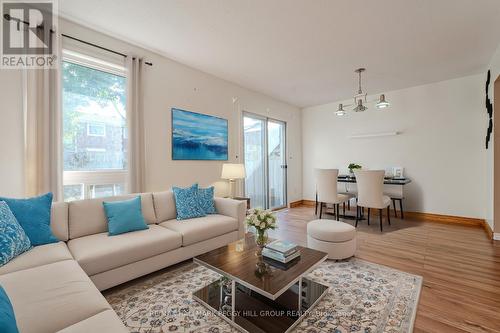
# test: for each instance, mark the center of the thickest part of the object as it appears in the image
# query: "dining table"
(387, 180)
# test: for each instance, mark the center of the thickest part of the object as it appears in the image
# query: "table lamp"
(233, 171)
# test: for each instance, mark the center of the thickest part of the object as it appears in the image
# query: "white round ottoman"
(336, 238)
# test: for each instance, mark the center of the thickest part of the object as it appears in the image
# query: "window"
(73, 192)
(94, 128)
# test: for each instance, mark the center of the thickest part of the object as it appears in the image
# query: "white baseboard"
(496, 236)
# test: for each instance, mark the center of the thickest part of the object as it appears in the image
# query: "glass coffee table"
(255, 294)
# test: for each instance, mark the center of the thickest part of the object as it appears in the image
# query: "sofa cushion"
(164, 205)
(124, 216)
(86, 217)
(51, 297)
(33, 214)
(202, 228)
(59, 220)
(13, 239)
(106, 321)
(100, 252)
(38, 256)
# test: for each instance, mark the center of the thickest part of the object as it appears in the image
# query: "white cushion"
(386, 201)
(51, 297)
(100, 252)
(164, 206)
(106, 321)
(38, 256)
(59, 220)
(202, 228)
(331, 231)
(87, 217)
(342, 198)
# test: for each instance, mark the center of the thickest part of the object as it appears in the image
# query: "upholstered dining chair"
(350, 193)
(371, 194)
(326, 190)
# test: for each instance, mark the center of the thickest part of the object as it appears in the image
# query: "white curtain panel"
(42, 131)
(135, 125)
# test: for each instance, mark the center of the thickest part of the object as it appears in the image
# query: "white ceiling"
(305, 51)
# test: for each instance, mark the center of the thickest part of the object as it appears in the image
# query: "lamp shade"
(360, 107)
(340, 112)
(233, 171)
(382, 104)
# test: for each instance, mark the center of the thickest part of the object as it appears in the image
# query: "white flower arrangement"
(261, 220)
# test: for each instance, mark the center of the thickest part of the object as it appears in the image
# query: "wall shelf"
(373, 135)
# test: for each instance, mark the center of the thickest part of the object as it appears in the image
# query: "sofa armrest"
(233, 208)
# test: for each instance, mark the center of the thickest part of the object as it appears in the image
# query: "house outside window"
(96, 129)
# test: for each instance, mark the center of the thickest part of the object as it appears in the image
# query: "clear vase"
(261, 241)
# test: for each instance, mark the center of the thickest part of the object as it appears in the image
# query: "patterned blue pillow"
(13, 239)
(187, 203)
(206, 199)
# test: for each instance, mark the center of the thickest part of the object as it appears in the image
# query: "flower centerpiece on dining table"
(352, 167)
(261, 220)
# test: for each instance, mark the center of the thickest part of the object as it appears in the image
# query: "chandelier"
(360, 99)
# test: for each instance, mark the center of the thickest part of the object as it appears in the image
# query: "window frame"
(93, 62)
(88, 179)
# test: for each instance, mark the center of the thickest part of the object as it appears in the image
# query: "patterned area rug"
(364, 297)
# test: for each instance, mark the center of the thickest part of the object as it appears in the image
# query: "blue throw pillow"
(33, 214)
(13, 239)
(7, 318)
(187, 203)
(124, 216)
(206, 200)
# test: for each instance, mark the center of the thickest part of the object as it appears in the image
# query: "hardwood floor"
(459, 264)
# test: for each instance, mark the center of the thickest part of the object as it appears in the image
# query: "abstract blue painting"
(197, 136)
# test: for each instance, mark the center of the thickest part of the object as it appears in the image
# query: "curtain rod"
(102, 48)
(19, 21)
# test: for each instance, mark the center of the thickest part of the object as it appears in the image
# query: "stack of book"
(281, 251)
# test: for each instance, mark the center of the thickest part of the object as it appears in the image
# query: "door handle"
(284, 166)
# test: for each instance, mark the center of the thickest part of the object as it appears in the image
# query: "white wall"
(441, 147)
(167, 84)
(495, 72)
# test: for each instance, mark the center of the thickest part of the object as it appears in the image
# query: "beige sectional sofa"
(55, 287)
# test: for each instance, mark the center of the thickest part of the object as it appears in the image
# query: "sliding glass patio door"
(265, 161)
(276, 161)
